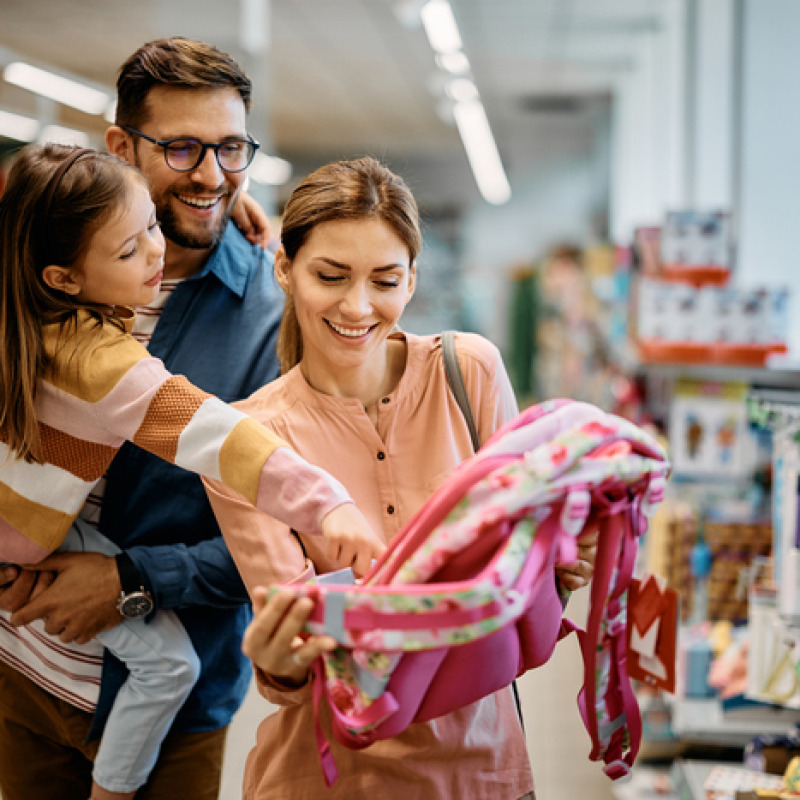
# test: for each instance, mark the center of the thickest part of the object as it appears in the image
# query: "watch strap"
(129, 578)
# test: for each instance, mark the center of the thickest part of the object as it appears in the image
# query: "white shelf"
(703, 721)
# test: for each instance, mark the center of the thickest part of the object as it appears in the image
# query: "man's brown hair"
(174, 62)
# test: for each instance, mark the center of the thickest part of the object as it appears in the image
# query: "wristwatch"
(134, 600)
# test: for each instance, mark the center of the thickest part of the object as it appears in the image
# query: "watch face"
(135, 605)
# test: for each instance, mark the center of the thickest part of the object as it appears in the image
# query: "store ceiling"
(346, 77)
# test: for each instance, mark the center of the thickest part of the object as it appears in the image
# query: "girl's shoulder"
(87, 355)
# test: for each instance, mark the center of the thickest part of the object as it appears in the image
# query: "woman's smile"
(351, 333)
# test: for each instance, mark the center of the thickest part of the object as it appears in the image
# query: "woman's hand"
(274, 640)
(577, 575)
(250, 219)
(351, 540)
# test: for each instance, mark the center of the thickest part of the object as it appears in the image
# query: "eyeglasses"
(185, 154)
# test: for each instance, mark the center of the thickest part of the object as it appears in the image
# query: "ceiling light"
(440, 26)
(62, 90)
(484, 159)
(462, 89)
(455, 63)
(61, 135)
(270, 170)
(15, 126)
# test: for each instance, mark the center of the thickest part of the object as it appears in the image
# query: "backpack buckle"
(618, 770)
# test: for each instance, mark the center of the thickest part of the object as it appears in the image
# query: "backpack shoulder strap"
(456, 382)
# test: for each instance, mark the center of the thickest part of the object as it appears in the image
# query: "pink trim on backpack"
(464, 599)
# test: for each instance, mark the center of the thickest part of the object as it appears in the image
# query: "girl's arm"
(126, 393)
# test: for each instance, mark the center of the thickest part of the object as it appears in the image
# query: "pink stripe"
(120, 412)
(363, 618)
(18, 548)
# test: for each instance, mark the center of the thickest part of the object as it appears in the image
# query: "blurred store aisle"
(557, 740)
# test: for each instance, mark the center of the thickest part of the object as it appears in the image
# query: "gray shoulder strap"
(457, 387)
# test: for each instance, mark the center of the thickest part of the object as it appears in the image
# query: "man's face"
(192, 207)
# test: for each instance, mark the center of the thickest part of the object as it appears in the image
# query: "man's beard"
(202, 240)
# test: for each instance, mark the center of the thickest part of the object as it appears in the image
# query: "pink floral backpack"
(464, 600)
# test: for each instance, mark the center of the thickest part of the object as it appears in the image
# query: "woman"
(371, 405)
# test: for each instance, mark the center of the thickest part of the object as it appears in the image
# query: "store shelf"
(757, 376)
(704, 721)
(748, 356)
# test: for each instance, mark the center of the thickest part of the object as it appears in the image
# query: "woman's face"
(350, 282)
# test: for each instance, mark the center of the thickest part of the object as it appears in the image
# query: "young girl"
(80, 245)
(372, 405)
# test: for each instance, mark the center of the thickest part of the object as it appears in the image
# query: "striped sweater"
(113, 390)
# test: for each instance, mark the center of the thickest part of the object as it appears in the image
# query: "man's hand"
(80, 602)
(250, 219)
(18, 586)
(577, 575)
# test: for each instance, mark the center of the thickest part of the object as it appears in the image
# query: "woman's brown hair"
(45, 219)
(343, 190)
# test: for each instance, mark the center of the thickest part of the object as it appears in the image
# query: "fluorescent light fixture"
(484, 158)
(462, 89)
(61, 135)
(270, 170)
(15, 126)
(110, 114)
(455, 63)
(62, 90)
(440, 26)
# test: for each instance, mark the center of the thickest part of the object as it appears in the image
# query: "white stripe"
(198, 445)
(69, 671)
(44, 484)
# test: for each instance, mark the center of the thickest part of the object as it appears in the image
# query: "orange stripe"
(86, 460)
(170, 410)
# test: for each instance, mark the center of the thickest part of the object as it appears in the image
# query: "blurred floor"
(557, 741)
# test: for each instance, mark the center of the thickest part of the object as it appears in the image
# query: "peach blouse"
(477, 752)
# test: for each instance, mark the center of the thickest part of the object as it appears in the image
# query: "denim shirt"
(219, 329)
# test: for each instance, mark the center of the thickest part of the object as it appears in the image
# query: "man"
(181, 118)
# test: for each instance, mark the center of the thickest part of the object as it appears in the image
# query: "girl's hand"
(274, 640)
(351, 540)
(250, 219)
(577, 575)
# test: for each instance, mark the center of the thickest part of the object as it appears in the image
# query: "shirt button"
(381, 455)
(390, 509)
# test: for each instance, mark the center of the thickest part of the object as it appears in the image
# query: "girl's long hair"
(93, 189)
(343, 190)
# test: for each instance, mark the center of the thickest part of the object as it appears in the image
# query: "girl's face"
(124, 261)
(350, 282)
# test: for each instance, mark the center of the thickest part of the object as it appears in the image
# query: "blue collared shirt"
(219, 329)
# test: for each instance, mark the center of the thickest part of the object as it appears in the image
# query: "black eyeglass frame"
(204, 148)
